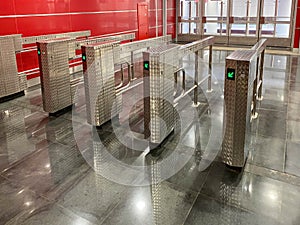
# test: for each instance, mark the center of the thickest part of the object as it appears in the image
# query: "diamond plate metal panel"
(76, 34)
(9, 80)
(55, 77)
(158, 106)
(99, 82)
(237, 111)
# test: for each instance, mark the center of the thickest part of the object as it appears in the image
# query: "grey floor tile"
(160, 204)
(47, 171)
(93, 198)
(207, 211)
(48, 214)
(294, 97)
(257, 194)
(268, 152)
(271, 124)
(294, 111)
(293, 130)
(15, 199)
(293, 158)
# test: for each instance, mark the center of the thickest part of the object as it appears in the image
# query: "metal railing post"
(261, 73)
(196, 78)
(209, 69)
(254, 114)
(132, 65)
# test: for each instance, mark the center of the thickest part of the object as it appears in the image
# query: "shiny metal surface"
(99, 81)
(55, 76)
(99, 75)
(238, 95)
(159, 112)
(121, 37)
(10, 81)
(34, 39)
(43, 182)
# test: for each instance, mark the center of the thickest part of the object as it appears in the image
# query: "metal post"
(254, 96)
(261, 73)
(221, 24)
(165, 12)
(190, 16)
(209, 69)
(181, 15)
(176, 19)
(183, 80)
(196, 78)
(132, 66)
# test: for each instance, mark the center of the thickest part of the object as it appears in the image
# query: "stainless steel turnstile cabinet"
(240, 74)
(10, 81)
(55, 75)
(160, 64)
(102, 102)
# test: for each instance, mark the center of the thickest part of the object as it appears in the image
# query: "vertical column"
(165, 14)
(261, 73)
(297, 27)
(196, 78)
(210, 69)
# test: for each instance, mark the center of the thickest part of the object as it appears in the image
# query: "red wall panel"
(37, 17)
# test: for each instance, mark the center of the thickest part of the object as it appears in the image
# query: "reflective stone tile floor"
(53, 169)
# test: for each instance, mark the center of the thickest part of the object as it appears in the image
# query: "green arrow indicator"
(230, 74)
(39, 52)
(146, 65)
(83, 58)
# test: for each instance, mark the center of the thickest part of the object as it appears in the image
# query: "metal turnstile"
(99, 81)
(54, 71)
(160, 64)
(99, 61)
(11, 83)
(57, 81)
(243, 84)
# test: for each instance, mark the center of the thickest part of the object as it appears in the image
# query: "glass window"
(238, 29)
(253, 8)
(269, 8)
(267, 30)
(284, 8)
(214, 8)
(239, 8)
(252, 29)
(282, 30)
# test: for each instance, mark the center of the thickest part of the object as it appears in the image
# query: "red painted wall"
(297, 27)
(37, 17)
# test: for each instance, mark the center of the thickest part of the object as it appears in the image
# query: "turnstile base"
(234, 168)
(62, 111)
(11, 97)
(156, 149)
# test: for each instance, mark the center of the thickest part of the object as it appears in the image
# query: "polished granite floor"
(51, 170)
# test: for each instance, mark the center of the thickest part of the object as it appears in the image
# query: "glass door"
(188, 17)
(215, 17)
(241, 22)
(276, 18)
(244, 18)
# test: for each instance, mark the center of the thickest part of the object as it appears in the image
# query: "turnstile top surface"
(56, 40)
(162, 48)
(101, 44)
(242, 55)
(11, 36)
